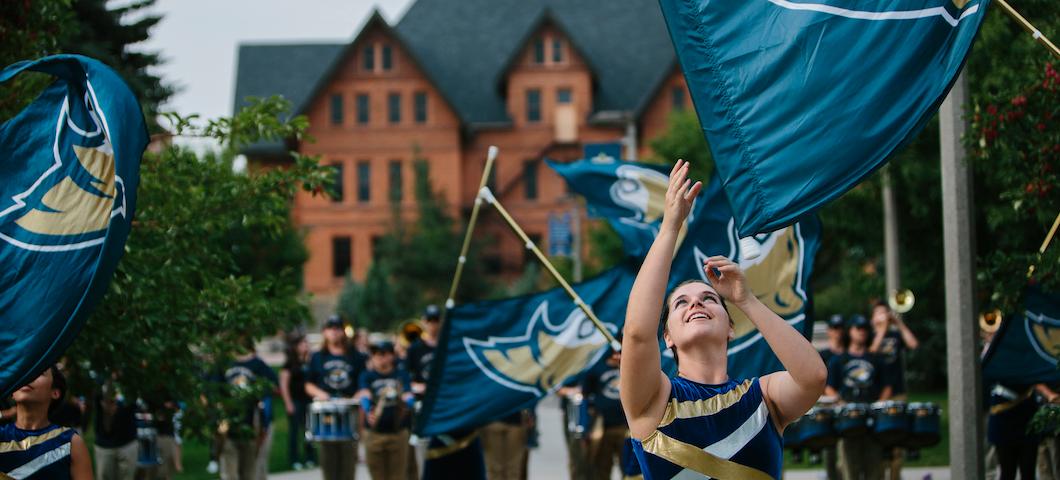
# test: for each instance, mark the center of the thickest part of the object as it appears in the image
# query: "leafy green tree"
(684, 139)
(212, 262)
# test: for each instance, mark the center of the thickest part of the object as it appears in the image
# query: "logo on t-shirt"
(337, 374)
(858, 373)
(239, 377)
(610, 382)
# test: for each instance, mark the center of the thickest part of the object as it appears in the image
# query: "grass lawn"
(934, 456)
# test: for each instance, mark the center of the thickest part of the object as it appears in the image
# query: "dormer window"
(557, 50)
(533, 105)
(369, 58)
(388, 58)
(539, 50)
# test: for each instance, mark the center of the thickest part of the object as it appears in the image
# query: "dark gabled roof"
(464, 47)
(467, 43)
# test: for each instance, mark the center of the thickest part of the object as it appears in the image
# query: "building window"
(421, 107)
(530, 179)
(395, 181)
(539, 50)
(388, 58)
(337, 185)
(369, 58)
(678, 98)
(341, 258)
(336, 109)
(393, 102)
(563, 95)
(533, 105)
(362, 108)
(557, 50)
(364, 181)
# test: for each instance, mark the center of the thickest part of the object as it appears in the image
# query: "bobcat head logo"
(70, 204)
(540, 360)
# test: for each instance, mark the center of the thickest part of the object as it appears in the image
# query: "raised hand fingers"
(694, 191)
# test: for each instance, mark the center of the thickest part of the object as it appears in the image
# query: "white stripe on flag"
(878, 16)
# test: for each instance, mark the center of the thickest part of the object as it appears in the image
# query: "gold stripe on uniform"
(26, 443)
(703, 407)
(1002, 407)
(689, 456)
(435, 453)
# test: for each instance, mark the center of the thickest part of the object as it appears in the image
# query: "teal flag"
(1026, 347)
(69, 164)
(800, 100)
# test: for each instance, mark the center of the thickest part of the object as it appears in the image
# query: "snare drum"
(852, 420)
(817, 429)
(891, 423)
(578, 418)
(923, 425)
(147, 441)
(332, 421)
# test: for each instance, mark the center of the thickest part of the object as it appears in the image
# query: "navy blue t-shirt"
(600, 387)
(857, 378)
(386, 389)
(243, 374)
(890, 352)
(336, 374)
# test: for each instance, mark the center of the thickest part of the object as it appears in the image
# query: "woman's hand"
(679, 195)
(727, 278)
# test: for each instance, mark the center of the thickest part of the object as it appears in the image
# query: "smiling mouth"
(697, 316)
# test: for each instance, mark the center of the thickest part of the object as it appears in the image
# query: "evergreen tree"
(107, 34)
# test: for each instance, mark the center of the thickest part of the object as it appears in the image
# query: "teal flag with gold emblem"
(69, 167)
(800, 100)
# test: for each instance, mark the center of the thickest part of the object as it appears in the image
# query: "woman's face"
(695, 313)
(302, 347)
(859, 335)
(38, 391)
(334, 335)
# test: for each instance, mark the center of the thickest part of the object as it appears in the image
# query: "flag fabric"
(1026, 346)
(70, 166)
(495, 358)
(503, 356)
(802, 99)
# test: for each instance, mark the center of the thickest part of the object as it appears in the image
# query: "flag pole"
(491, 156)
(1030, 28)
(487, 195)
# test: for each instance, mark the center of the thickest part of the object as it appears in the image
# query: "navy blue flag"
(632, 197)
(498, 357)
(800, 100)
(1026, 346)
(70, 166)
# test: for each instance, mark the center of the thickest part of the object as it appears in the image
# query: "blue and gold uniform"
(32, 454)
(720, 431)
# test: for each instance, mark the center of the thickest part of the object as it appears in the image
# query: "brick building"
(537, 78)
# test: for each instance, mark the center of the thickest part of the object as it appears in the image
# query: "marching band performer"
(385, 395)
(857, 376)
(601, 390)
(333, 372)
(701, 419)
(35, 448)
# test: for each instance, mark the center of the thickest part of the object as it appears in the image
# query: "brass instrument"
(901, 301)
(990, 321)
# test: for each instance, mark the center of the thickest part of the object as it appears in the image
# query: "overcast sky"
(198, 39)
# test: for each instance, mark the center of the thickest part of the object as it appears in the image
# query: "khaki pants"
(606, 450)
(239, 459)
(831, 464)
(338, 460)
(505, 450)
(261, 467)
(893, 466)
(387, 454)
(116, 463)
(167, 452)
(860, 459)
(1049, 459)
